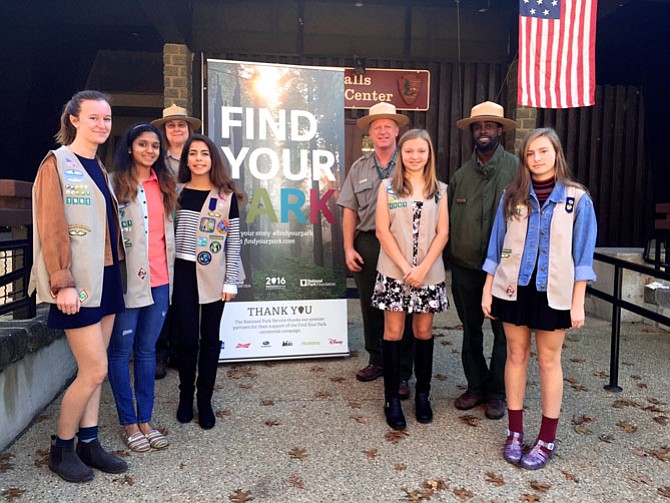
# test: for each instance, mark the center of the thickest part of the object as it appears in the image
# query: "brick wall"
(526, 117)
(177, 75)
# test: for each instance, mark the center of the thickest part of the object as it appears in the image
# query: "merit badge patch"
(214, 214)
(202, 241)
(222, 227)
(207, 224)
(510, 290)
(505, 253)
(204, 258)
(569, 204)
(215, 247)
(76, 230)
(142, 273)
(73, 175)
(83, 296)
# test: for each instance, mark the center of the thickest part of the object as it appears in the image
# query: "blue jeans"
(135, 331)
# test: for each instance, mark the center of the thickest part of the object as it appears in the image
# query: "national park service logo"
(410, 86)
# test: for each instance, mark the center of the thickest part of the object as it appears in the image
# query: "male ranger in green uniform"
(474, 191)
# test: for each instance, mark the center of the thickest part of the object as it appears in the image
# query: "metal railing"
(16, 257)
(618, 304)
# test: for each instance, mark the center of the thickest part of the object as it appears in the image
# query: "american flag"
(557, 40)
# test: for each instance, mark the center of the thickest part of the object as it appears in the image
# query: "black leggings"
(197, 332)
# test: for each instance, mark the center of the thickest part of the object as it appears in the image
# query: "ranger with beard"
(473, 195)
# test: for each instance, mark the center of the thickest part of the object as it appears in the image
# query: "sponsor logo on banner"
(307, 283)
(275, 283)
(311, 343)
(335, 341)
(265, 344)
(287, 343)
(243, 345)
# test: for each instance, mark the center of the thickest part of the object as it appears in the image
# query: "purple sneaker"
(513, 449)
(536, 457)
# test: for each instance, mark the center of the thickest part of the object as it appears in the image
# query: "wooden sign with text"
(406, 89)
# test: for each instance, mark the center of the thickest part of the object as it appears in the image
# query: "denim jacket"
(538, 238)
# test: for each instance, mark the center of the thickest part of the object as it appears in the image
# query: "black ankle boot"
(424, 413)
(394, 416)
(93, 454)
(185, 407)
(65, 462)
(206, 418)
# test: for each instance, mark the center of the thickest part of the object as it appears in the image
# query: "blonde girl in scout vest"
(77, 269)
(146, 192)
(412, 223)
(206, 271)
(539, 259)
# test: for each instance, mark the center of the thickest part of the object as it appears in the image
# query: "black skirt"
(531, 309)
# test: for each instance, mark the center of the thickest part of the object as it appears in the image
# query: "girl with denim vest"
(412, 224)
(539, 259)
(146, 193)
(77, 269)
(207, 240)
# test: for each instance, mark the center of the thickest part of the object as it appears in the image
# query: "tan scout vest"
(400, 210)
(561, 275)
(135, 231)
(85, 212)
(210, 246)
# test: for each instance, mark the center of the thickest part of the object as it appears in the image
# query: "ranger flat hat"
(487, 111)
(174, 112)
(381, 111)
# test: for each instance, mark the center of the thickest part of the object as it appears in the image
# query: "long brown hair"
(518, 191)
(125, 183)
(67, 132)
(401, 185)
(218, 174)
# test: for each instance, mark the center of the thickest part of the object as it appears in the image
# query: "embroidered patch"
(212, 203)
(222, 227)
(214, 214)
(398, 204)
(510, 290)
(202, 241)
(142, 273)
(569, 204)
(73, 175)
(78, 230)
(207, 224)
(505, 253)
(215, 247)
(83, 296)
(204, 258)
(127, 243)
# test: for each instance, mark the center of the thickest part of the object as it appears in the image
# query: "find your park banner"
(281, 134)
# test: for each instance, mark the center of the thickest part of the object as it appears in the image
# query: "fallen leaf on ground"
(583, 430)
(445, 343)
(316, 368)
(440, 377)
(577, 360)
(455, 351)
(635, 377)
(323, 394)
(182, 466)
(297, 453)
(396, 436)
(222, 413)
(655, 401)
(628, 364)
(42, 417)
(602, 374)
(571, 380)
(570, 476)
(399, 467)
(338, 379)
(662, 453)
(121, 454)
(269, 364)
(642, 385)
(495, 479)
(469, 419)
(271, 422)
(246, 385)
(529, 497)
(540, 486)
(606, 438)
(267, 402)
(295, 481)
(463, 493)
(654, 408)
(662, 420)
(239, 496)
(582, 419)
(12, 492)
(626, 426)
(359, 419)
(579, 387)
(241, 371)
(354, 405)
(126, 479)
(642, 479)
(664, 491)
(624, 402)
(371, 453)
(43, 458)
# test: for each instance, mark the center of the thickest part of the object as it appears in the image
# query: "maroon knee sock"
(548, 431)
(515, 420)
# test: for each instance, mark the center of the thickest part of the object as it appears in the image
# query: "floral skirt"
(393, 295)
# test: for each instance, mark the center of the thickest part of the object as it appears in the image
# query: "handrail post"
(616, 332)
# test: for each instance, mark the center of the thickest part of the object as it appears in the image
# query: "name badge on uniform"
(569, 204)
(461, 201)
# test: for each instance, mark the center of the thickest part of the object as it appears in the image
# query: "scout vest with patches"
(85, 212)
(401, 218)
(210, 241)
(135, 233)
(560, 278)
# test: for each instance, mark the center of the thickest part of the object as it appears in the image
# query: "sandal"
(138, 442)
(156, 439)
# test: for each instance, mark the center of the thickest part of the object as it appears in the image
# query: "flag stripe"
(556, 53)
